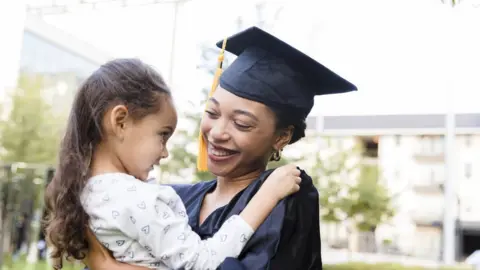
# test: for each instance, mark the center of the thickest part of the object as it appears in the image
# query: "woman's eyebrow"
(246, 113)
(238, 111)
(212, 99)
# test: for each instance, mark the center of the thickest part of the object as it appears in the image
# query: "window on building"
(428, 144)
(468, 170)
(441, 144)
(468, 140)
(432, 145)
(398, 140)
(432, 176)
(370, 145)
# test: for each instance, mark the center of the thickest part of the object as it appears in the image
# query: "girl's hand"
(283, 181)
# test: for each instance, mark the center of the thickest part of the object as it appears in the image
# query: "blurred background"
(396, 163)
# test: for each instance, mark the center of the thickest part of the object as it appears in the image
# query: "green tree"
(30, 133)
(351, 190)
(367, 205)
(369, 201)
(330, 174)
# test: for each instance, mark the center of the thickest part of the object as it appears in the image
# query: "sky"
(405, 56)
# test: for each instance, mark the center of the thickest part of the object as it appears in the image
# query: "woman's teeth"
(219, 152)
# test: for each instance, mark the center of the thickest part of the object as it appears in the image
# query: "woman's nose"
(219, 132)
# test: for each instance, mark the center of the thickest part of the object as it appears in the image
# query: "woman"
(260, 106)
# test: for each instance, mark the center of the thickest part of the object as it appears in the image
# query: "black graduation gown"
(288, 239)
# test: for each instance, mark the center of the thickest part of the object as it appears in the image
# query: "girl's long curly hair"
(122, 81)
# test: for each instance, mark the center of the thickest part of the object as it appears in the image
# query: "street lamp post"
(450, 200)
(449, 193)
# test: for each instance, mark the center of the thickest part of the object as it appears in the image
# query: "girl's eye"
(164, 135)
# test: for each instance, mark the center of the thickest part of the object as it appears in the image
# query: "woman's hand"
(98, 257)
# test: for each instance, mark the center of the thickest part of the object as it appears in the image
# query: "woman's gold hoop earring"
(277, 155)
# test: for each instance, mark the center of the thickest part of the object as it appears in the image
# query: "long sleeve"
(288, 239)
(161, 226)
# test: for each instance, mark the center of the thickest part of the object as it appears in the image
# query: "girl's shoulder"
(125, 191)
(126, 185)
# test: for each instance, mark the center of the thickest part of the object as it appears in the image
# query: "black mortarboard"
(270, 71)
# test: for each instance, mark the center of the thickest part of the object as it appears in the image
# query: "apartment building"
(409, 151)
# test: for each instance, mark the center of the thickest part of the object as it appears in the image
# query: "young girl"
(119, 125)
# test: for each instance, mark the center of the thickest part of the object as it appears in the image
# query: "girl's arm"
(278, 243)
(163, 230)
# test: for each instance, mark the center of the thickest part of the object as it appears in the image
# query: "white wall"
(12, 19)
(402, 169)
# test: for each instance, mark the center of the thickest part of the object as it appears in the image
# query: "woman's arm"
(98, 257)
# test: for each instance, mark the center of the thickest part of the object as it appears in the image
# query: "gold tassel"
(202, 147)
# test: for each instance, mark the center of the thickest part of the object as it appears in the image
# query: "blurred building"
(409, 151)
(62, 60)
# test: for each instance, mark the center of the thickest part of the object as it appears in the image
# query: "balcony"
(427, 211)
(431, 187)
(429, 157)
(424, 219)
(428, 180)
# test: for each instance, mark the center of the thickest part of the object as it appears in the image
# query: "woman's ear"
(283, 137)
(118, 120)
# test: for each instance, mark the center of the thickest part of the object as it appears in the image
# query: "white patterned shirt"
(147, 225)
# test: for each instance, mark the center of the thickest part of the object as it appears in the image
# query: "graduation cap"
(270, 71)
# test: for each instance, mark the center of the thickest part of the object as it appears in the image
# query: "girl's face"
(140, 144)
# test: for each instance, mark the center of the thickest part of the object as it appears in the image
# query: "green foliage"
(366, 202)
(329, 174)
(333, 168)
(369, 202)
(330, 204)
(31, 132)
